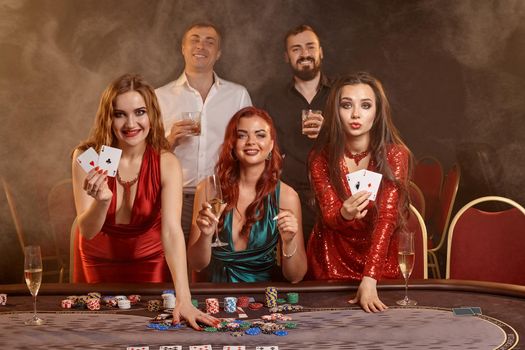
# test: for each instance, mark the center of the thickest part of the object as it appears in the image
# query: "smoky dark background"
(454, 71)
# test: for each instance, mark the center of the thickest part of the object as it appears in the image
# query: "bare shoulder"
(288, 196)
(169, 164)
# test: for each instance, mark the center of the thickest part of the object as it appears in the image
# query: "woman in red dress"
(354, 237)
(128, 226)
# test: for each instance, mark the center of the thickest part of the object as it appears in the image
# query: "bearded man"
(308, 90)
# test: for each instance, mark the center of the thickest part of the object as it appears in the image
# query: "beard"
(306, 73)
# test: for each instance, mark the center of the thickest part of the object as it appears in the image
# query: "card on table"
(200, 347)
(274, 347)
(88, 159)
(170, 347)
(475, 309)
(137, 348)
(463, 311)
(108, 159)
(234, 347)
(364, 180)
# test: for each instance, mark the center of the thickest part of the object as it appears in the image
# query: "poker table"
(326, 321)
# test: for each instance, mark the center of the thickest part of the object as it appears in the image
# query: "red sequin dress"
(348, 250)
(127, 252)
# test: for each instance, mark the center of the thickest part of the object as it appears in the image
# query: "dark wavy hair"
(332, 138)
(102, 132)
(228, 169)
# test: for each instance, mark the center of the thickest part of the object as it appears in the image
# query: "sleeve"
(387, 216)
(325, 193)
(245, 99)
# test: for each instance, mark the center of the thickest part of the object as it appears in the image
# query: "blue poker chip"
(253, 331)
(281, 333)
(168, 291)
(238, 321)
(176, 326)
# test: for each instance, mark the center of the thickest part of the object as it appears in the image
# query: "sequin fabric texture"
(349, 250)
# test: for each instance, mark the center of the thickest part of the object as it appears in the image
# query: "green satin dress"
(257, 261)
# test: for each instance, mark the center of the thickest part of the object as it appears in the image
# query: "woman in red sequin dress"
(128, 226)
(354, 237)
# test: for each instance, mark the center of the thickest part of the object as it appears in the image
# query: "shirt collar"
(323, 82)
(183, 80)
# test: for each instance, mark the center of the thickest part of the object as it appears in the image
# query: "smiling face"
(130, 121)
(254, 141)
(201, 49)
(304, 54)
(357, 110)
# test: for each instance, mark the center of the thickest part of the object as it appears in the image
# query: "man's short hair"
(204, 24)
(297, 30)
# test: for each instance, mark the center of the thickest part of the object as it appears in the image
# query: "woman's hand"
(287, 225)
(354, 207)
(206, 221)
(367, 296)
(191, 314)
(96, 185)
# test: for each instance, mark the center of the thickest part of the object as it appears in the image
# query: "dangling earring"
(269, 156)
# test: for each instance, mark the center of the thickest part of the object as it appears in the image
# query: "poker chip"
(293, 298)
(195, 302)
(290, 325)
(154, 305)
(253, 331)
(212, 306)
(243, 301)
(93, 304)
(66, 304)
(255, 306)
(230, 304)
(210, 329)
(134, 299)
(236, 334)
(168, 300)
(124, 304)
(281, 333)
(96, 295)
(270, 296)
(281, 301)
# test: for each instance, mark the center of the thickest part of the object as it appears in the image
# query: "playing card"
(475, 309)
(170, 347)
(462, 311)
(234, 347)
(364, 180)
(200, 347)
(108, 159)
(88, 159)
(137, 348)
(274, 347)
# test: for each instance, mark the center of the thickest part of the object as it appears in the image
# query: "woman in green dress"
(259, 210)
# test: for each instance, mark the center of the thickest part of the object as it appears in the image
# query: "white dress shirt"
(199, 154)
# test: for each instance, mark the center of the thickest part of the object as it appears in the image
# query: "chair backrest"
(487, 246)
(62, 213)
(448, 198)
(14, 213)
(417, 225)
(428, 176)
(417, 199)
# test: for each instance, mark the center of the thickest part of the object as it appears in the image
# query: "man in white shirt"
(199, 89)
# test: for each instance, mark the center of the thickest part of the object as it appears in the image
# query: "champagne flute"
(406, 257)
(33, 277)
(214, 197)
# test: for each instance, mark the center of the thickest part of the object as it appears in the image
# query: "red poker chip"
(255, 306)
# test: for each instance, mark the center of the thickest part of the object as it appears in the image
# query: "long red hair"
(228, 169)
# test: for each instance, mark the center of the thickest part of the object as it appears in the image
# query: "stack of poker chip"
(243, 301)
(110, 301)
(3, 299)
(195, 302)
(293, 298)
(124, 304)
(93, 304)
(212, 306)
(66, 304)
(270, 295)
(230, 304)
(154, 305)
(96, 295)
(134, 299)
(169, 300)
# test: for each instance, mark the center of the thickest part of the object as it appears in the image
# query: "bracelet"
(288, 256)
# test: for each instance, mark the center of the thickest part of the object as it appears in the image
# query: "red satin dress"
(342, 249)
(128, 252)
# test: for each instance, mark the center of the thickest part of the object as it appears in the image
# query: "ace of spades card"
(364, 180)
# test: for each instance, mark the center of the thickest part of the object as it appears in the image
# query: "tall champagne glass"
(214, 197)
(33, 277)
(406, 257)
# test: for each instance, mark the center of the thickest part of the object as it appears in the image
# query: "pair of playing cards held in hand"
(107, 160)
(364, 180)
